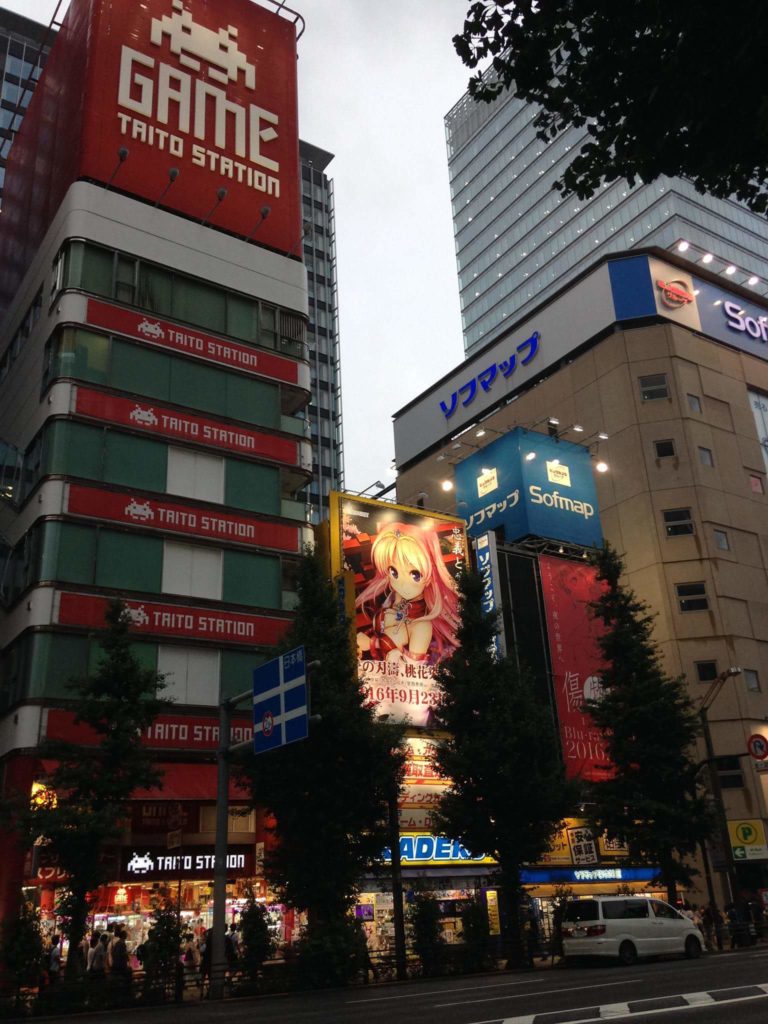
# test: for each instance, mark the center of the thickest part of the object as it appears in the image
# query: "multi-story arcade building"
(658, 369)
(154, 378)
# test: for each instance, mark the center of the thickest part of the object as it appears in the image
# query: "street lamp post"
(714, 782)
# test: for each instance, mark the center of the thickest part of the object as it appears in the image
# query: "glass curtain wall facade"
(20, 59)
(319, 244)
(518, 240)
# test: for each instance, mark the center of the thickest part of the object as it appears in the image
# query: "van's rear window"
(582, 910)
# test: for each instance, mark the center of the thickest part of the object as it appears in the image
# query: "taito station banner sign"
(174, 620)
(167, 732)
(150, 418)
(159, 864)
(165, 334)
(136, 509)
(404, 563)
(568, 588)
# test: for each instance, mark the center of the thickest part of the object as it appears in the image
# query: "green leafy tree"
(87, 801)
(21, 950)
(161, 960)
(427, 933)
(626, 72)
(508, 794)
(328, 794)
(476, 936)
(256, 943)
(650, 727)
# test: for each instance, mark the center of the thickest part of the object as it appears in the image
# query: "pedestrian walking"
(54, 960)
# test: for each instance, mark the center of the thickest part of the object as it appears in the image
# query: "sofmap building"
(154, 378)
(659, 372)
(518, 241)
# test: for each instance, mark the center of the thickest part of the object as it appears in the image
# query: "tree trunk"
(513, 942)
(78, 909)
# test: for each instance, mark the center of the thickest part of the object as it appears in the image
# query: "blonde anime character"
(411, 603)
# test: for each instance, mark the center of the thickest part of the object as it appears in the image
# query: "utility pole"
(218, 942)
(714, 782)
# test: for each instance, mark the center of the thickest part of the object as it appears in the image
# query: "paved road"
(725, 989)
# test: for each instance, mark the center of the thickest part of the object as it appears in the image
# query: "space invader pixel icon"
(192, 43)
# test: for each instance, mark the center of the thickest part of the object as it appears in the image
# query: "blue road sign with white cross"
(280, 705)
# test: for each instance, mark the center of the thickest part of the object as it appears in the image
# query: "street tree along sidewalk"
(650, 728)
(627, 72)
(86, 803)
(328, 794)
(508, 794)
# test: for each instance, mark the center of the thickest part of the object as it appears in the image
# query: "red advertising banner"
(163, 334)
(140, 510)
(162, 422)
(568, 589)
(167, 732)
(174, 620)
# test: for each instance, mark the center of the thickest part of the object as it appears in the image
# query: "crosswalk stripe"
(614, 1010)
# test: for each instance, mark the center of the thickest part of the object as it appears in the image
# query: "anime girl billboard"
(404, 564)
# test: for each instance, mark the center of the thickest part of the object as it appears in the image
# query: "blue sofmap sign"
(531, 485)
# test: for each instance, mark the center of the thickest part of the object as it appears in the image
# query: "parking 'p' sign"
(757, 746)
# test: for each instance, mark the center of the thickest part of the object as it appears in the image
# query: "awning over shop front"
(181, 781)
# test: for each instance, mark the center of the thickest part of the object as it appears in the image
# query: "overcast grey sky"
(375, 80)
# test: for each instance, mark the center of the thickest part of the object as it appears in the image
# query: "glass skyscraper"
(518, 240)
(319, 245)
(22, 55)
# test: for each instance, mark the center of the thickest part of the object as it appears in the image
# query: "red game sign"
(151, 330)
(138, 509)
(132, 91)
(150, 418)
(88, 610)
(568, 588)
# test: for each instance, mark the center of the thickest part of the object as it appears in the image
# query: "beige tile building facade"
(684, 497)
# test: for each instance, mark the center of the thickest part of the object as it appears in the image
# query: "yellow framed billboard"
(399, 565)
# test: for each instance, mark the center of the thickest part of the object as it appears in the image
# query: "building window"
(706, 458)
(694, 403)
(706, 671)
(721, 540)
(664, 449)
(756, 484)
(751, 680)
(730, 773)
(654, 385)
(678, 521)
(692, 597)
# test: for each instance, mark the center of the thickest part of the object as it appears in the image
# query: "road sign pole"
(218, 945)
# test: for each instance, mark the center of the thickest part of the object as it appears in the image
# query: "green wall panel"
(139, 370)
(135, 462)
(252, 579)
(129, 562)
(251, 486)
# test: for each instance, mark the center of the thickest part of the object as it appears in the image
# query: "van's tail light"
(567, 933)
(596, 929)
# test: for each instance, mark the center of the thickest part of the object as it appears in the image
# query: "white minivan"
(627, 927)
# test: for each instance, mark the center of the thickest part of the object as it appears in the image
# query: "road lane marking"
(694, 1001)
(533, 995)
(440, 992)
